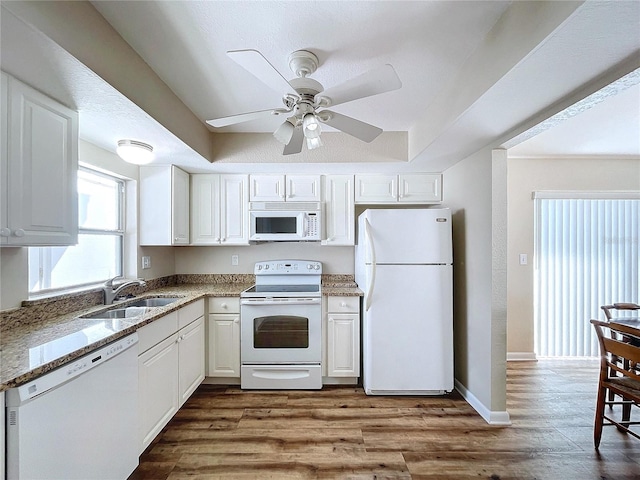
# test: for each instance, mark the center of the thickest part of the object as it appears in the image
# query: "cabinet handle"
(5, 232)
(19, 233)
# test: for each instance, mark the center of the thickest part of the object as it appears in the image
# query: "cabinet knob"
(5, 232)
(223, 305)
(216, 239)
(343, 304)
(19, 232)
(236, 320)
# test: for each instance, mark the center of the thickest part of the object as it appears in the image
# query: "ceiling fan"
(306, 100)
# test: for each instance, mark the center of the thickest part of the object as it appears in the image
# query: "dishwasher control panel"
(70, 370)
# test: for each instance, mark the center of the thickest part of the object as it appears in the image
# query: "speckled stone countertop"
(30, 336)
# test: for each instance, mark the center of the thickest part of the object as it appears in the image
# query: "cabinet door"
(376, 189)
(267, 188)
(303, 188)
(224, 345)
(420, 188)
(179, 206)
(205, 209)
(343, 345)
(158, 386)
(234, 210)
(42, 169)
(339, 210)
(191, 359)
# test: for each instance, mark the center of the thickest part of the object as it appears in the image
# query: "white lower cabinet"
(342, 337)
(223, 337)
(170, 367)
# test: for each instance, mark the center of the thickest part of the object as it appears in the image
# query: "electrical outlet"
(146, 262)
(234, 260)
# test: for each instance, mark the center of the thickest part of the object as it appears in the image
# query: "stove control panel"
(287, 267)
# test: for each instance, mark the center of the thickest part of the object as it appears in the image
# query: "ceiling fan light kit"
(305, 98)
(135, 152)
(284, 132)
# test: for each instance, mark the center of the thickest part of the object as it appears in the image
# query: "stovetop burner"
(286, 278)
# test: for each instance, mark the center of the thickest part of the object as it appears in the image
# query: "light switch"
(146, 262)
(523, 259)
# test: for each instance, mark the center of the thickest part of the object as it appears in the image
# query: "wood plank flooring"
(338, 432)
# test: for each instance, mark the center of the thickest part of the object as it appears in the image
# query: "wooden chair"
(614, 346)
(618, 307)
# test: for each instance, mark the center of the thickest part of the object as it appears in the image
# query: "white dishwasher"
(78, 421)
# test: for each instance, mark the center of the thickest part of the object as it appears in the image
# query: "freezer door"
(407, 236)
(408, 331)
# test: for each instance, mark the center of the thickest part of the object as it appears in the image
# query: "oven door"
(280, 330)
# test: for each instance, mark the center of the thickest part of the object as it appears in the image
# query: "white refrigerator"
(404, 265)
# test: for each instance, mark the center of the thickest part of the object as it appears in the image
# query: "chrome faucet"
(110, 293)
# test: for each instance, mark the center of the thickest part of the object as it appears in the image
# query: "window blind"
(586, 255)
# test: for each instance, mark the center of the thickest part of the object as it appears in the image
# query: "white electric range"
(281, 333)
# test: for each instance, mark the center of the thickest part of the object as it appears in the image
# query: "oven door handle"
(280, 301)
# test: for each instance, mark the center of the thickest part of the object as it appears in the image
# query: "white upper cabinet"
(291, 188)
(419, 188)
(164, 206)
(339, 210)
(219, 209)
(39, 163)
(411, 188)
(303, 188)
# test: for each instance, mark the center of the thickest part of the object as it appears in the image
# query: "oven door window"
(266, 225)
(281, 331)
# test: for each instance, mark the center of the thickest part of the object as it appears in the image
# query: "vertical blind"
(586, 255)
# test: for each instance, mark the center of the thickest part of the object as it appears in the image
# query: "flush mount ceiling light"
(132, 151)
(306, 99)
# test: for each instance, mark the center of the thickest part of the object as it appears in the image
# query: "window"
(587, 255)
(98, 255)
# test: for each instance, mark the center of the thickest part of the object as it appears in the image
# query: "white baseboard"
(521, 357)
(491, 417)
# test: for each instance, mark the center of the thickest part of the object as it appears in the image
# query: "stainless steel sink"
(114, 313)
(134, 309)
(154, 302)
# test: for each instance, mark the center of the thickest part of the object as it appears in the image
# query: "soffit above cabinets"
(465, 85)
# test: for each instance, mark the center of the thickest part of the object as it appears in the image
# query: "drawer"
(343, 304)
(156, 331)
(224, 305)
(189, 313)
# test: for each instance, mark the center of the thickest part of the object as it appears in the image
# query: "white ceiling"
(462, 88)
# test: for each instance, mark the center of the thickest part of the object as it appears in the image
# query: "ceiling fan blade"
(355, 128)
(243, 117)
(255, 63)
(379, 80)
(295, 144)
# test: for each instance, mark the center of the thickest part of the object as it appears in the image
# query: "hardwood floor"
(339, 432)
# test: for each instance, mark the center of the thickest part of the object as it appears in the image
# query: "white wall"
(479, 359)
(526, 175)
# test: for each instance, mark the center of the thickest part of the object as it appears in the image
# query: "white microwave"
(285, 221)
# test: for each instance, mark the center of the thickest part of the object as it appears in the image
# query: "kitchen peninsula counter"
(31, 346)
(33, 337)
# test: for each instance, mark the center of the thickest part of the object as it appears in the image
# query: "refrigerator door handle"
(372, 278)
